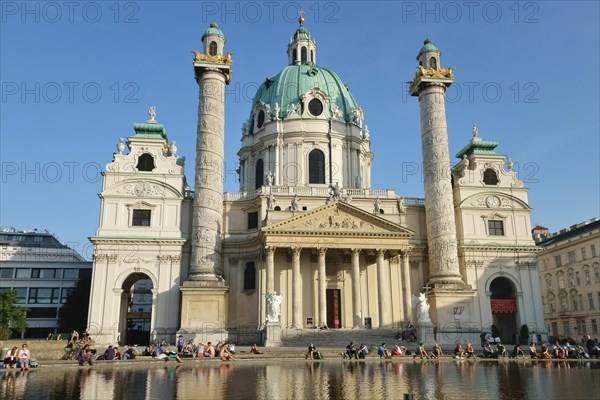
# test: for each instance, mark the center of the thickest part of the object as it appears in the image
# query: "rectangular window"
(583, 255)
(141, 218)
(43, 295)
(597, 274)
(23, 273)
(250, 276)
(64, 294)
(563, 304)
(581, 329)
(44, 273)
(593, 248)
(552, 308)
(571, 256)
(496, 228)
(594, 327)
(558, 261)
(42, 312)
(566, 328)
(71, 273)
(575, 308)
(591, 300)
(577, 278)
(561, 282)
(253, 220)
(21, 295)
(6, 273)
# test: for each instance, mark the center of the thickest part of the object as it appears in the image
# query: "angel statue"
(273, 306)
(422, 305)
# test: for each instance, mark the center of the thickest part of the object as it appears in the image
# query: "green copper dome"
(293, 81)
(301, 33)
(427, 46)
(213, 30)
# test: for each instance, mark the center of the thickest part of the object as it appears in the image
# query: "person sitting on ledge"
(210, 350)
(501, 350)
(85, 356)
(398, 350)
(545, 354)
(469, 351)
(254, 349)
(421, 351)
(488, 351)
(226, 353)
(458, 351)
(517, 351)
(363, 351)
(533, 353)
(382, 351)
(351, 351)
(312, 350)
(437, 351)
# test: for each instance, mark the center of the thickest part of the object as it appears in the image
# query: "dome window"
(146, 163)
(315, 107)
(294, 56)
(316, 167)
(490, 177)
(260, 120)
(260, 173)
(212, 48)
(304, 55)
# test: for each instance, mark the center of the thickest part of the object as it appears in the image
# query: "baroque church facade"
(307, 242)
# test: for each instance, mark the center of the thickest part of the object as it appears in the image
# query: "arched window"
(294, 56)
(316, 167)
(312, 56)
(145, 162)
(304, 55)
(250, 276)
(260, 173)
(432, 63)
(212, 48)
(490, 177)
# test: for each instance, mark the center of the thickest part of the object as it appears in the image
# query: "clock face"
(492, 202)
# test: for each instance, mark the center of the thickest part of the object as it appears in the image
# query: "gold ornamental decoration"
(217, 58)
(434, 73)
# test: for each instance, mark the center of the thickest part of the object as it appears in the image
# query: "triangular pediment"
(338, 218)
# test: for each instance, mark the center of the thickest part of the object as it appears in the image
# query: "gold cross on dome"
(301, 19)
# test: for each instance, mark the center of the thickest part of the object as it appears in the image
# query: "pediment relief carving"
(339, 217)
(495, 201)
(142, 189)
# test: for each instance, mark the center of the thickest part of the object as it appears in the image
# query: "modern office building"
(42, 271)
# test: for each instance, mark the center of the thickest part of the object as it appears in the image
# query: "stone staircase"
(339, 338)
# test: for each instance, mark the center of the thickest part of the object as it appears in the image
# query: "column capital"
(295, 252)
(380, 252)
(270, 249)
(321, 251)
(355, 251)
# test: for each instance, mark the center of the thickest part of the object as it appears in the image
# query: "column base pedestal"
(273, 332)
(425, 334)
(203, 313)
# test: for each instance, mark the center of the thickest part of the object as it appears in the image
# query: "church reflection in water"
(308, 380)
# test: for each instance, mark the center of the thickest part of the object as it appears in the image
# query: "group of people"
(18, 358)
(353, 352)
(588, 348)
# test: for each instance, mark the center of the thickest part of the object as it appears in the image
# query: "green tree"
(12, 316)
(74, 313)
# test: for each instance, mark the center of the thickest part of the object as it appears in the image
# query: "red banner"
(503, 306)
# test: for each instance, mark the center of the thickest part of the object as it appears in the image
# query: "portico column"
(322, 288)
(406, 289)
(270, 269)
(383, 286)
(356, 288)
(296, 288)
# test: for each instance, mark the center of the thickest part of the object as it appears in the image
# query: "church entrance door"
(504, 308)
(334, 308)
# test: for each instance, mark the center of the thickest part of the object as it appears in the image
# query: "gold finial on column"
(301, 19)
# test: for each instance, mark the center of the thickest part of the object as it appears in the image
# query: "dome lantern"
(302, 49)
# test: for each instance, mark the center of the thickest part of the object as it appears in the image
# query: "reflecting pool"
(294, 379)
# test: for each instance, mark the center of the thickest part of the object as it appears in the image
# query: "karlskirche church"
(306, 242)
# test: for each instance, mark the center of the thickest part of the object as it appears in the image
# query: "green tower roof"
(150, 131)
(428, 46)
(213, 30)
(479, 147)
(295, 80)
(301, 33)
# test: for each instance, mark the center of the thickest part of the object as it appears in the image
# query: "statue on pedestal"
(420, 302)
(273, 306)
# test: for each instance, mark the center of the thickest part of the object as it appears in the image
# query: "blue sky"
(76, 76)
